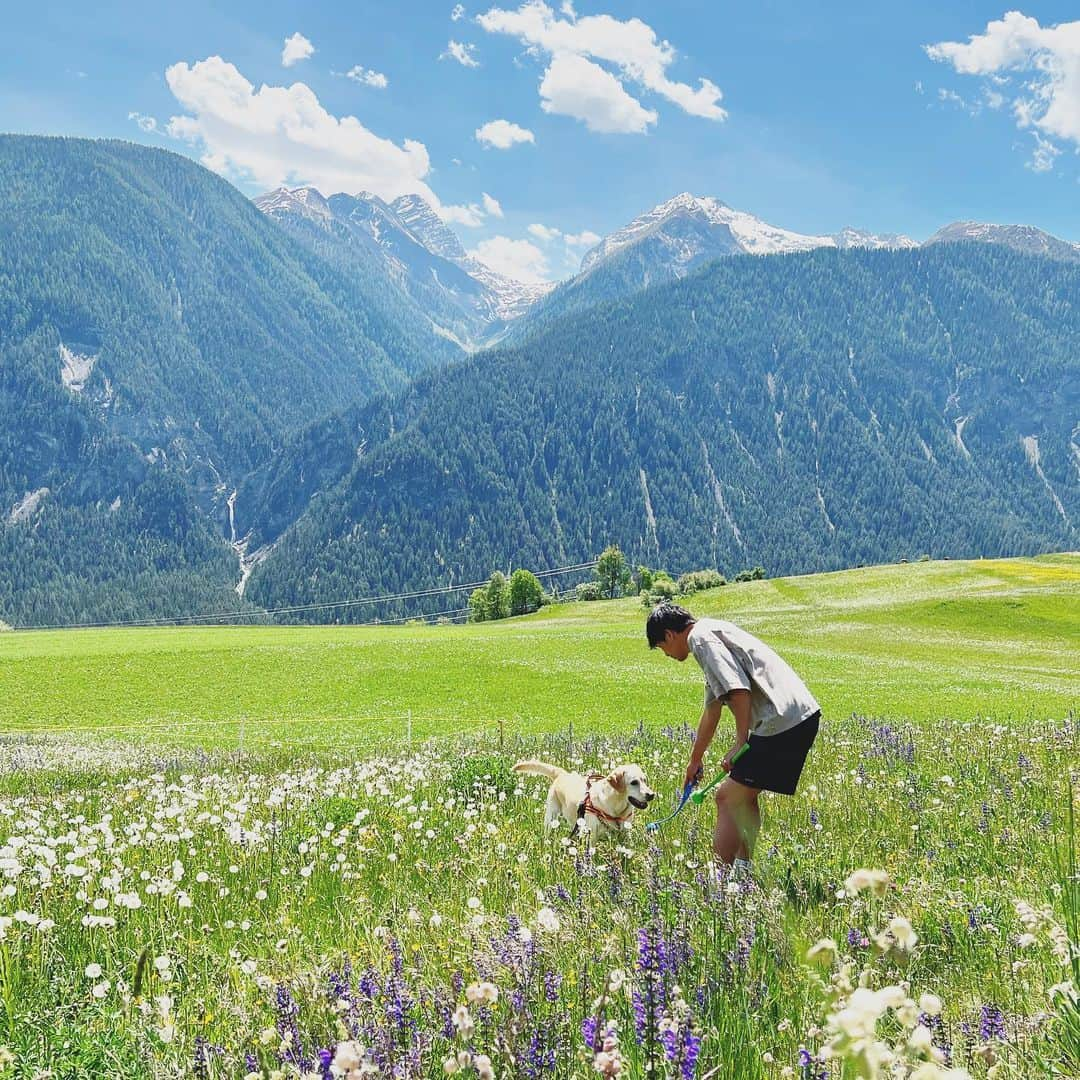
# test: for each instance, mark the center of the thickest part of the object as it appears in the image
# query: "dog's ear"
(618, 779)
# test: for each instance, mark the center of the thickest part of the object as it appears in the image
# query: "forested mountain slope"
(155, 328)
(805, 412)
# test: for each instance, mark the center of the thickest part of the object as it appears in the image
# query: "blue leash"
(654, 825)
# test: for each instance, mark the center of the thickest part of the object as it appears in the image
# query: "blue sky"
(812, 116)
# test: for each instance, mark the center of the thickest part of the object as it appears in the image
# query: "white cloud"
(458, 13)
(630, 44)
(544, 233)
(282, 135)
(517, 259)
(146, 123)
(1049, 59)
(573, 244)
(463, 54)
(574, 86)
(502, 134)
(586, 239)
(364, 75)
(471, 215)
(296, 48)
(1042, 158)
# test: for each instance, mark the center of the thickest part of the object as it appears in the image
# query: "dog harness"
(586, 806)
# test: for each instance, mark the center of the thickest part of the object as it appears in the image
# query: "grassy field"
(222, 857)
(915, 641)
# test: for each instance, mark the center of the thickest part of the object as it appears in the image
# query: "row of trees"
(500, 598)
(612, 577)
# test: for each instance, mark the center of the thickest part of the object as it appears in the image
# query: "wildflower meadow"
(310, 901)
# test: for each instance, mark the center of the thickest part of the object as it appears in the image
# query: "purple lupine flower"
(808, 1069)
(369, 985)
(251, 1063)
(589, 1026)
(287, 1012)
(991, 1023)
(552, 985)
(937, 1029)
(200, 1066)
(397, 955)
(691, 1050)
(325, 1058)
(540, 1056)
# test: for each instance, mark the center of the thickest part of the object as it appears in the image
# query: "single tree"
(497, 595)
(612, 572)
(526, 592)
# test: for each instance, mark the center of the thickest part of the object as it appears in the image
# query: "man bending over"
(774, 712)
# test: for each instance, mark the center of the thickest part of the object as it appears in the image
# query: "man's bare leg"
(738, 821)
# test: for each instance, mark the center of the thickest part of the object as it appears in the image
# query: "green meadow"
(918, 641)
(284, 853)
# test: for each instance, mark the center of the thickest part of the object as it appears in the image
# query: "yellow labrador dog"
(601, 805)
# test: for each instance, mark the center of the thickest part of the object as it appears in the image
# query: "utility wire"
(291, 609)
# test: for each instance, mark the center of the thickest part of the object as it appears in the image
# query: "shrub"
(589, 590)
(697, 580)
(756, 574)
(662, 589)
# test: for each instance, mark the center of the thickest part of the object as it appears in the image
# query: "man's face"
(675, 645)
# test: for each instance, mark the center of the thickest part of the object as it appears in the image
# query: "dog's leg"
(552, 812)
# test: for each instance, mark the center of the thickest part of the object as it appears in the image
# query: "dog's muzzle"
(641, 804)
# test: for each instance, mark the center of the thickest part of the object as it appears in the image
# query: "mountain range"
(476, 306)
(300, 398)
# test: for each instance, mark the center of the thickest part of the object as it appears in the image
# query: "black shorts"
(775, 762)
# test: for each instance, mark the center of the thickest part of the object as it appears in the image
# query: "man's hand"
(693, 771)
(727, 762)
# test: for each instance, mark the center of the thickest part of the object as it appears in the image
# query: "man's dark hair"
(665, 617)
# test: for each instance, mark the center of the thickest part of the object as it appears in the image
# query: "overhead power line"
(291, 609)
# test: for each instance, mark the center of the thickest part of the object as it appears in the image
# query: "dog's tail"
(539, 768)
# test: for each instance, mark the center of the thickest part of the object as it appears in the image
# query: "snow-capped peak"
(860, 238)
(1025, 238)
(428, 227)
(512, 297)
(736, 231)
(304, 201)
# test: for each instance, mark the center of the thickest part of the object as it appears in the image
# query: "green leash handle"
(698, 797)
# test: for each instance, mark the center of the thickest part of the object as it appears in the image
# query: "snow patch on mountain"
(75, 369)
(858, 238)
(27, 506)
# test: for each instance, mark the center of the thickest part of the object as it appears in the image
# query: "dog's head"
(629, 780)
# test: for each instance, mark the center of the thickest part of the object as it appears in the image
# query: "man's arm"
(710, 717)
(739, 703)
